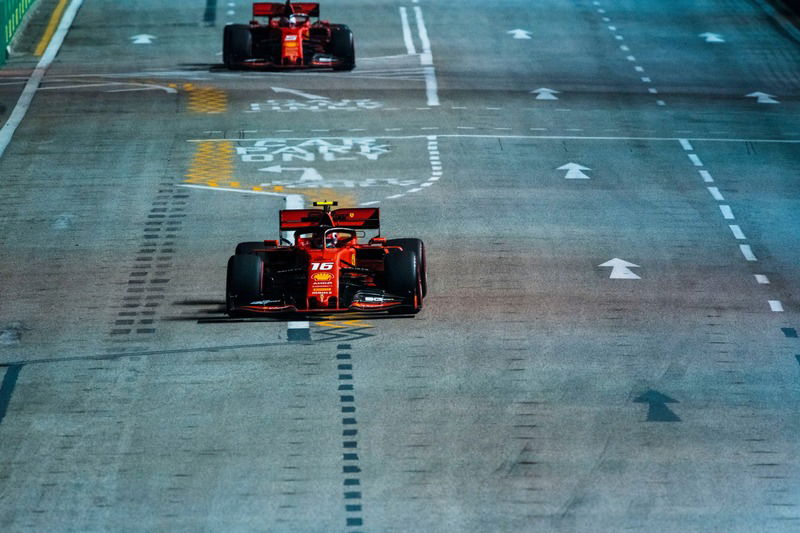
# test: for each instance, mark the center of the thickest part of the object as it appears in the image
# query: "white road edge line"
(410, 48)
(426, 60)
(25, 99)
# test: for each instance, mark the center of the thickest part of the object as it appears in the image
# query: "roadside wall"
(11, 14)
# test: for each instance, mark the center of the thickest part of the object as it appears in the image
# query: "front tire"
(418, 247)
(401, 275)
(244, 283)
(343, 47)
(237, 44)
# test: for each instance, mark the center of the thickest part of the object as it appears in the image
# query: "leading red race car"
(326, 269)
(288, 40)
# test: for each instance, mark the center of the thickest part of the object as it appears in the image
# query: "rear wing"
(359, 217)
(276, 9)
(312, 219)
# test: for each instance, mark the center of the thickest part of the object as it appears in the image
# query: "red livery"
(288, 40)
(326, 269)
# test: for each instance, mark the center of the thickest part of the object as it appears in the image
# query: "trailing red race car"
(326, 269)
(288, 39)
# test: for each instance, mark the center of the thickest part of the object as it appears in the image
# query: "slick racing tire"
(401, 274)
(416, 246)
(237, 44)
(244, 280)
(343, 47)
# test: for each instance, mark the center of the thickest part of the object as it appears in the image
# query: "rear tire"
(237, 44)
(343, 47)
(245, 273)
(416, 246)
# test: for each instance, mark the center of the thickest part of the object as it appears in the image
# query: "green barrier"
(11, 14)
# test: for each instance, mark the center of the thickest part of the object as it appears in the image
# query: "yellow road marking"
(51, 28)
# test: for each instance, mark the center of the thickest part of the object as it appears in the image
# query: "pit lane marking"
(32, 85)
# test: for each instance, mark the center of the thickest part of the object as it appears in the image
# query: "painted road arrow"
(763, 98)
(620, 269)
(543, 93)
(520, 34)
(309, 174)
(299, 93)
(657, 410)
(712, 37)
(574, 171)
(143, 39)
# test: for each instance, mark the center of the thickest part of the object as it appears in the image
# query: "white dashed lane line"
(727, 213)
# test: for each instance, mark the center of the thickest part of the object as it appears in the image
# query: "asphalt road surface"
(609, 197)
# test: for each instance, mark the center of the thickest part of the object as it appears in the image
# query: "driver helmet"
(332, 239)
(292, 21)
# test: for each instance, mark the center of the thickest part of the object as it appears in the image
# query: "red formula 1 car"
(326, 269)
(288, 39)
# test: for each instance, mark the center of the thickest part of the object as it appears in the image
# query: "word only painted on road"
(285, 106)
(285, 150)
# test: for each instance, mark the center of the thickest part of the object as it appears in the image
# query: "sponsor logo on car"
(322, 276)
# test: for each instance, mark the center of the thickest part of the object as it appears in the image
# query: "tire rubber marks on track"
(148, 278)
(727, 213)
(351, 468)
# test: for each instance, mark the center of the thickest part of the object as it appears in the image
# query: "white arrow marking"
(712, 37)
(543, 93)
(574, 171)
(309, 174)
(299, 93)
(619, 269)
(763, 98)
(520, 34)
(143, 38)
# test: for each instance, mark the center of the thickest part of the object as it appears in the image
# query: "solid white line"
(25, 99)
(776, 306)
(426, 57)
(706, 176)
(686, 145)
(727, 214)
(407, 32)
(747, 252)
(431, 86)
(228, 189)
(762, 279)
(518, 137)
(737, 231)
(695, 160)
(426, 60)
(715, 193)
